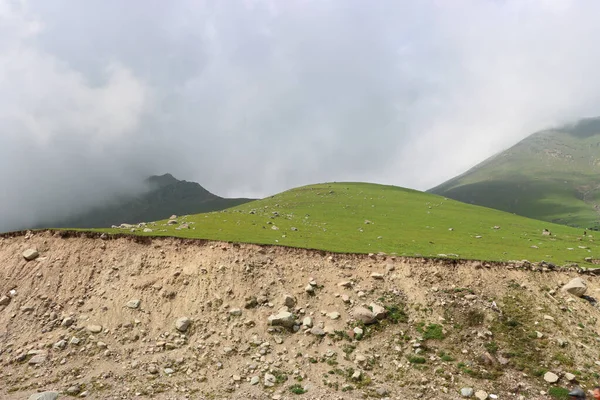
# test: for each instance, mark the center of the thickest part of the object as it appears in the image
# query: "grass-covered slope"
(552, 175)
(365, 218)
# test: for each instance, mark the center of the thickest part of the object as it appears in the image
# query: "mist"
(253, 97)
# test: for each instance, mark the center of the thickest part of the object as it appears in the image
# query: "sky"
(253, 97)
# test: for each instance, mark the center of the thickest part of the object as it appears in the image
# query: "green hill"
(165, 196)
(365, 218)
(552, 175)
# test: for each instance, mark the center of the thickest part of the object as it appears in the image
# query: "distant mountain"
(552, 175)
(166, 196)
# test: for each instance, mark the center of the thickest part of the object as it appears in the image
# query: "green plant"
(416, 360)
(491, 347)
(297, 389)
(558, 393)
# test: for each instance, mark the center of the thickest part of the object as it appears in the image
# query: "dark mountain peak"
(584, 128)
(160, 181)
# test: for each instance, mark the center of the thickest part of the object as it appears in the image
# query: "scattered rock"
(270, 380)
(576, 287)
(254, 380)
(235, 312)
(308, 322)
(466, 392)
(364, 315)
(94, 328)
(481, 395)
(135, 303)
(4, 301)
(283, 318)
(44, 396)
(377, 275)
(333, 315)
(289, 301)
(182, 324)
(570, 377)
(73, 390)
(317, 331)
(39, 358)
(550, 377)
(30, 254)
(378, 311)
(68, 321)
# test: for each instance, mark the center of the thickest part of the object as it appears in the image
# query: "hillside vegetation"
(369, 218)
(552, 175)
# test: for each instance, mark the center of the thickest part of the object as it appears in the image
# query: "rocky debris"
(377, 275)
(283, 318)
(147, 230)
(333, 315)
(570, 377)
(67, 322)
(182, 324)
(307, 322)
(270, 380)
(38, 358)
(4, 301)
(73, 390)
(30, 254)
(378, 311)
(466, 392)
(317, 331)
(289, 301)
(235, 312)
(133, 304)
(576, 287)
(364, 315)
(254, 380)
(550, 377)
(44, 396)
(481, 395)
(94, 328)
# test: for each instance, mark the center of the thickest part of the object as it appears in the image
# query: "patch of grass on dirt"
(431, 331)
(297, 389)
(558, 393)
(416, 360)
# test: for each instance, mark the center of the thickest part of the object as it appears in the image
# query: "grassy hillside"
(552, 175)
(364, 218)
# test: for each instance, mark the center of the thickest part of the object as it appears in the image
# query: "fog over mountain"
(249, 98)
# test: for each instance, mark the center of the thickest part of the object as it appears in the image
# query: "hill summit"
(552, 175)
(165, 195)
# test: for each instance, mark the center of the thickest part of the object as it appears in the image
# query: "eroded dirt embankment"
(99, 317)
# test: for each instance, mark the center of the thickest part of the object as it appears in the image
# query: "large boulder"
(576, 287)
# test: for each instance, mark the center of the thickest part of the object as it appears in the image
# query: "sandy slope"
(92, 280)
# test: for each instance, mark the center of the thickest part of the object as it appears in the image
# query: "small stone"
(270, 380)
(73, 390)
(133, 304)
(101, 345)
(481, 395)
(576, 287)
(382, 391)
(289, 301)
(466, 392)
(333, 315)
(377, 275)
(236, 378)
(39, 358)
(153, 369)
(61, 344)
(570, 377)
(254, 380)
(550, 377)
(74, 341)
(30, 254)
(283, 318)
(4, 301)
(309, 289)
(317, 331)
(378, 311)
(345, 298)
(44, 396)
(67, 322)
(548, 318)
(235, 312)
(169, 371)
(182, 324)
(308, 322)
(94, 328)
(364, 315)
(358, 332)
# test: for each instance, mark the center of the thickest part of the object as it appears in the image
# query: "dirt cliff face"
(106, 318)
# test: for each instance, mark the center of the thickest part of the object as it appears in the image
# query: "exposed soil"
(449, 325)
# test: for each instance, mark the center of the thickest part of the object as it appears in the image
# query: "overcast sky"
(252, 97)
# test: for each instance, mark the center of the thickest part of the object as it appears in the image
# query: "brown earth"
(450, 325)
